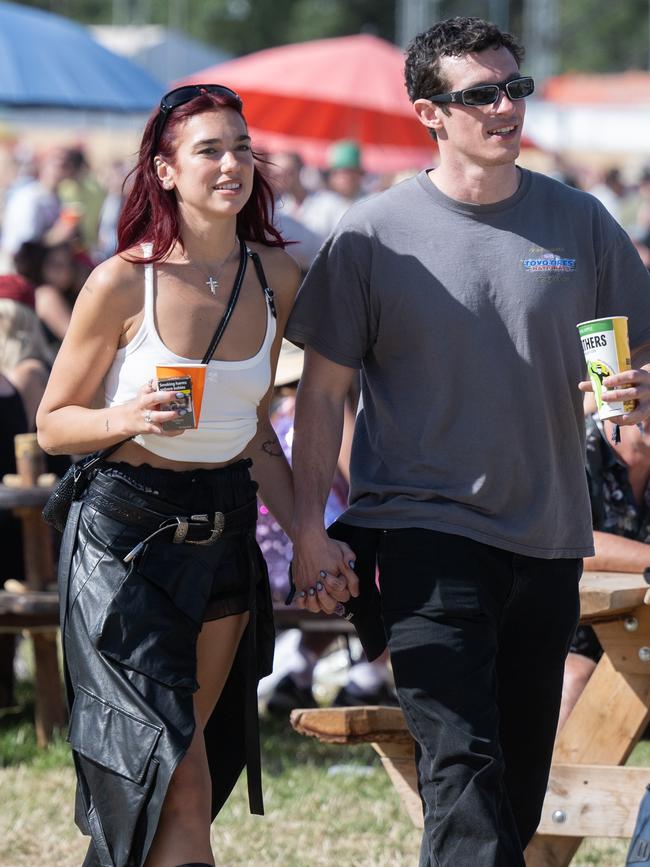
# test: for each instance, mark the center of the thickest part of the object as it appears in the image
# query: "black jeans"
(478, 638)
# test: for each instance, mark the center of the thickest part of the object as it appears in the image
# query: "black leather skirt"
(147, 556)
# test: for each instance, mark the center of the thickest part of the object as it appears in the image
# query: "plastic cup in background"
(606, 347)
(178, 377)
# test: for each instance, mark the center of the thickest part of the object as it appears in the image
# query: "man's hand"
(626, 386)
(323, 571)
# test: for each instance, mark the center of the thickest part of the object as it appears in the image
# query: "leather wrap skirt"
(141, 566)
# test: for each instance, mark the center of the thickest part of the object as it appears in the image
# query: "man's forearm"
(617, 554)
(316, 443)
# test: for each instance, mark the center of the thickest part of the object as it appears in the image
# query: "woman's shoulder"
(123, 269)
(120, 279)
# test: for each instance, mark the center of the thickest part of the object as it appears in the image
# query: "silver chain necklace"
(213, 282)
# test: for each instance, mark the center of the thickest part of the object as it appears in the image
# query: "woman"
(25, 357)
(167, 623)
(24, 366)
(57, 275)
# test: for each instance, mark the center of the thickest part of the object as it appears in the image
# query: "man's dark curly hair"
(451, 38)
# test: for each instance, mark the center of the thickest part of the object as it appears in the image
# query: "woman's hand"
(150, 409)
(323, 571)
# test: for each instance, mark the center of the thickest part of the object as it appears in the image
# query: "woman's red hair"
(150, 214)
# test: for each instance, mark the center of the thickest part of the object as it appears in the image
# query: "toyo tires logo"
(549, 262)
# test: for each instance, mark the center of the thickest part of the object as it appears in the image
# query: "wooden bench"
(35, 610)
(590, 794)
(292, 617)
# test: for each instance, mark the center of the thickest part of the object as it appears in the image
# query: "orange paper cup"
(197, 374)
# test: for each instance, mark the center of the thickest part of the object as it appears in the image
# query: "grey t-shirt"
(463, 319)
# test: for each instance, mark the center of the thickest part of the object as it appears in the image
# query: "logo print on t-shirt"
(547, 262)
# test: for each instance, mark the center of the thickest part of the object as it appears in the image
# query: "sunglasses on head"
(487, 94)
(181, 95)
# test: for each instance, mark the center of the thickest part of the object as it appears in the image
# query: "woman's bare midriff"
(136, 455)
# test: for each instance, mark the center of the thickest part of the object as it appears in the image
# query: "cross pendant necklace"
(213, 282)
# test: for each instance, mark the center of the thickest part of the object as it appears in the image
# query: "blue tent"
(48, 61)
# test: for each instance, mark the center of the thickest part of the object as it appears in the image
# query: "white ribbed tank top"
(233, 390)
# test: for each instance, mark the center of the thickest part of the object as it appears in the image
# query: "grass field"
(325, 806)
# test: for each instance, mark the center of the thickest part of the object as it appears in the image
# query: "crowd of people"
(402, 479)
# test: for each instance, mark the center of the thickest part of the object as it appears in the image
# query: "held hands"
(149, 409)
(323, 572)
(625, 386)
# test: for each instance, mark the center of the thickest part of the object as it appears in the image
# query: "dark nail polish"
(312, 592)
(180, 395)
(323, 573)
(319, 586)
(351, 564)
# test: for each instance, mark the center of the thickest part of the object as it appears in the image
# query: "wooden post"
(398, 760)
(604, 725)
(39, 573)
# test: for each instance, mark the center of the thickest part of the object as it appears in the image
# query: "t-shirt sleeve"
(334, 312)
(624, 284)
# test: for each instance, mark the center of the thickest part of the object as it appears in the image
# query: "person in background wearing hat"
(322, 210)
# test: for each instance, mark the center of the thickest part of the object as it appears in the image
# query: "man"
(619, 489)
(284, 173)
(457, 294)
(286, 169)
(82, 197)
(34, 208)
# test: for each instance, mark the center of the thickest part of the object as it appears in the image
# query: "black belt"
(143, 510)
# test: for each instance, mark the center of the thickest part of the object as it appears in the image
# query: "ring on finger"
(147, 416)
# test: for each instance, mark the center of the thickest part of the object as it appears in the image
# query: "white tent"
(165, 54)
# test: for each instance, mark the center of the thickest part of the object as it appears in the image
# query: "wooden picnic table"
(590, 792)
(35, 609)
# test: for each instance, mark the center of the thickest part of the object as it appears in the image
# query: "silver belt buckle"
(181, 531)
(218, 525)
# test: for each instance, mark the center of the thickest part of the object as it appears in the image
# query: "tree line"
(592, 35)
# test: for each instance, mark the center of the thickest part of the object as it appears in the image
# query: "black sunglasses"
(181, 95)
(487, 94)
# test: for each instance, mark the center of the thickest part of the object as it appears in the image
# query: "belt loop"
(180, 532)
